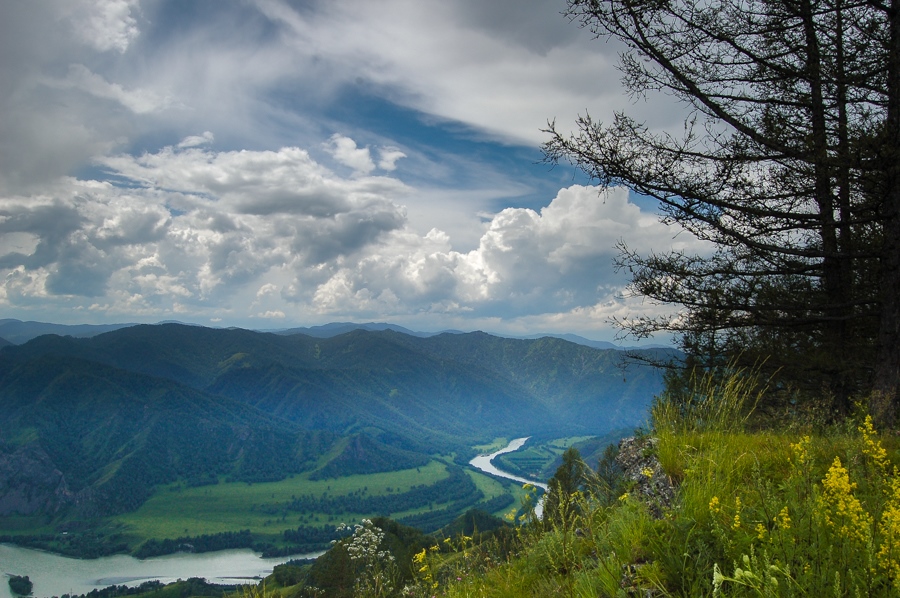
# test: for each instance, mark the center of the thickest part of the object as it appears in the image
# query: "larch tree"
(788, 165)
(560, 500)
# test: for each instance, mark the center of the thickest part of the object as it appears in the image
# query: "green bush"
(20, 585)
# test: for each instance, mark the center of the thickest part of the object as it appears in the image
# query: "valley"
(210, 510)
(145, 439)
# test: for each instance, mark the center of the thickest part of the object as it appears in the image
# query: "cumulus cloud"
(198, 227)
(387, 158)
(303, 222)
(263, 183)
(271, 314)
(183, 241)
(266, 289)
(344, 150)
(527, 262)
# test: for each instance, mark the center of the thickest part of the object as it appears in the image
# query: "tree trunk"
(887, 368)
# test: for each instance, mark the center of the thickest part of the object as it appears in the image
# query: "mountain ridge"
(18, 332)
(122, 412)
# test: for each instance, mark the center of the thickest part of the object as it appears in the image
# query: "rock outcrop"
(637, 458)
(29, 482)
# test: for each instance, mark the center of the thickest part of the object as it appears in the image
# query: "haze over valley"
(143, 437)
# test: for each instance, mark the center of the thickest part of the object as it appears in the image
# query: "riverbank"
(484, 463)
(55, 575)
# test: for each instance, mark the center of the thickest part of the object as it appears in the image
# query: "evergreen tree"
(570, 478)
(788, 165)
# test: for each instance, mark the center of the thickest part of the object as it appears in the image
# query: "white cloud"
(345, 151)
(104, 24)
(268, 229)
(553, 261)
(199, 228)
(272, 314)
(503, 68)
(387, 158)
(261, 183)
(266, 289)
(185, 242)
(195, 140)
(266, 74)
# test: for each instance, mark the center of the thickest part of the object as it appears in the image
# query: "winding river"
(55, 575)
(483, 463)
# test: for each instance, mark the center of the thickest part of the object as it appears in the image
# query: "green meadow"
(176, 511)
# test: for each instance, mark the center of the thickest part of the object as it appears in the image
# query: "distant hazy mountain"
(336, 328)
(18, 332)
(574, 338)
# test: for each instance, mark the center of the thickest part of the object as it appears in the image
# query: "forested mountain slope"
(113, 435)
(118, 414)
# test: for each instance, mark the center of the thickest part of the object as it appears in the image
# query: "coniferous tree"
(569, 478)
(789, 167)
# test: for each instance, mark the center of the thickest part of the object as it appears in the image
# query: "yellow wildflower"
(888, 554)
(714, 507)
(647, 472)
(842, 511)
(783, 519)
(422, 568)
(761, 531)
(737, 513)
(624, 497)
(872, 446)
(801, 450)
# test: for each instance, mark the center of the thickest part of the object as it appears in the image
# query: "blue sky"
(269, 164)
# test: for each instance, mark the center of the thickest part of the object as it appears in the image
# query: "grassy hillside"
(794, 509)
(790, 511)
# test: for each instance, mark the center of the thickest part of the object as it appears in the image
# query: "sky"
(271, 163)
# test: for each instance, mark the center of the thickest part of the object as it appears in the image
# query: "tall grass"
(777, 512)
(765, 513)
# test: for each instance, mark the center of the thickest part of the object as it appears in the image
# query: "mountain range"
(17, 332)
(96, 423)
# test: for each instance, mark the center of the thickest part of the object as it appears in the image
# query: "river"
(483, 462)
(55, 575)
